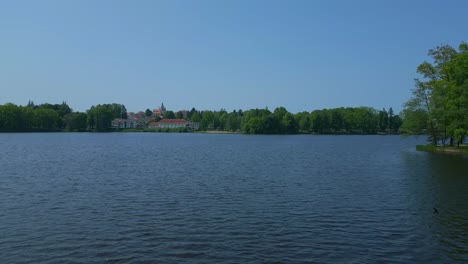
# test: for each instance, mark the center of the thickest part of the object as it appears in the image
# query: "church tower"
(162, 109)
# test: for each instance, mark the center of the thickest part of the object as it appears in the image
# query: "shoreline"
(175, 130)
(463, 149)
(216, 132)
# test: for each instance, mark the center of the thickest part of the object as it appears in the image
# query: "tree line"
(439, 102)
(57, 117)
(350, 120)
(60, 117)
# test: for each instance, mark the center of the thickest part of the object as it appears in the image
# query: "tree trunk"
(433, 132)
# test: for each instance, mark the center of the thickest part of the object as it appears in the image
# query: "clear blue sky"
(303, 55)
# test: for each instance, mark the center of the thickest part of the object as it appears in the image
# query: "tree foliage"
(44, 117)
(99, 117)
(169, 115)
(439, 105)
(357, 120)
(148, 112)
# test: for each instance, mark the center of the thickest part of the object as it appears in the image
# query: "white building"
(169, 123)
(174, 123)
(124, 123)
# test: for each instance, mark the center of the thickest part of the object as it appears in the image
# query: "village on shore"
(155, 120)
(48, 117)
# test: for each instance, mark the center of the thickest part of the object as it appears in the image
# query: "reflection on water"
(449, 174)
(441, 181)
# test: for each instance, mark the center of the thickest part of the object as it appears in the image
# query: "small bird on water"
(435, 211)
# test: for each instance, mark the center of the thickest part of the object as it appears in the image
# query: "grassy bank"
(463, 149)
(217, 132)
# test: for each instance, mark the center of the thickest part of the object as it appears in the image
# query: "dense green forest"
(56, 117)
(60, 117)
(439, 104)
(358, 120)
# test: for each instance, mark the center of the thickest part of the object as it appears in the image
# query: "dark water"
(196, 198)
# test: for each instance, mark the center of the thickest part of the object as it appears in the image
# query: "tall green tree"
(289, 124)
(148, 112)
(169, 115)
(99, 118)
(383, 120)
(179, 115)
(46, 119)
(303, 120)
(441, 93)
(11, 118)
(195, 117)
(75, 121)
(206, 121)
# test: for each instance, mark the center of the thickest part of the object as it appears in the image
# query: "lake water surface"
(200, 198)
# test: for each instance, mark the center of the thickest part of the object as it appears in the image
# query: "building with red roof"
(169, 123)
(173, 123)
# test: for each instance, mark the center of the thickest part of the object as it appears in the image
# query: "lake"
(204, 198)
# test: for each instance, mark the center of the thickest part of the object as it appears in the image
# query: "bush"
(428, 148)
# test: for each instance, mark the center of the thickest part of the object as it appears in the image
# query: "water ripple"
(189, 198)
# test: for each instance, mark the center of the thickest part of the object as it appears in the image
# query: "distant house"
(194, 125)
(124, 123)
(157, 112)
(139, 115)
(143, 122)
